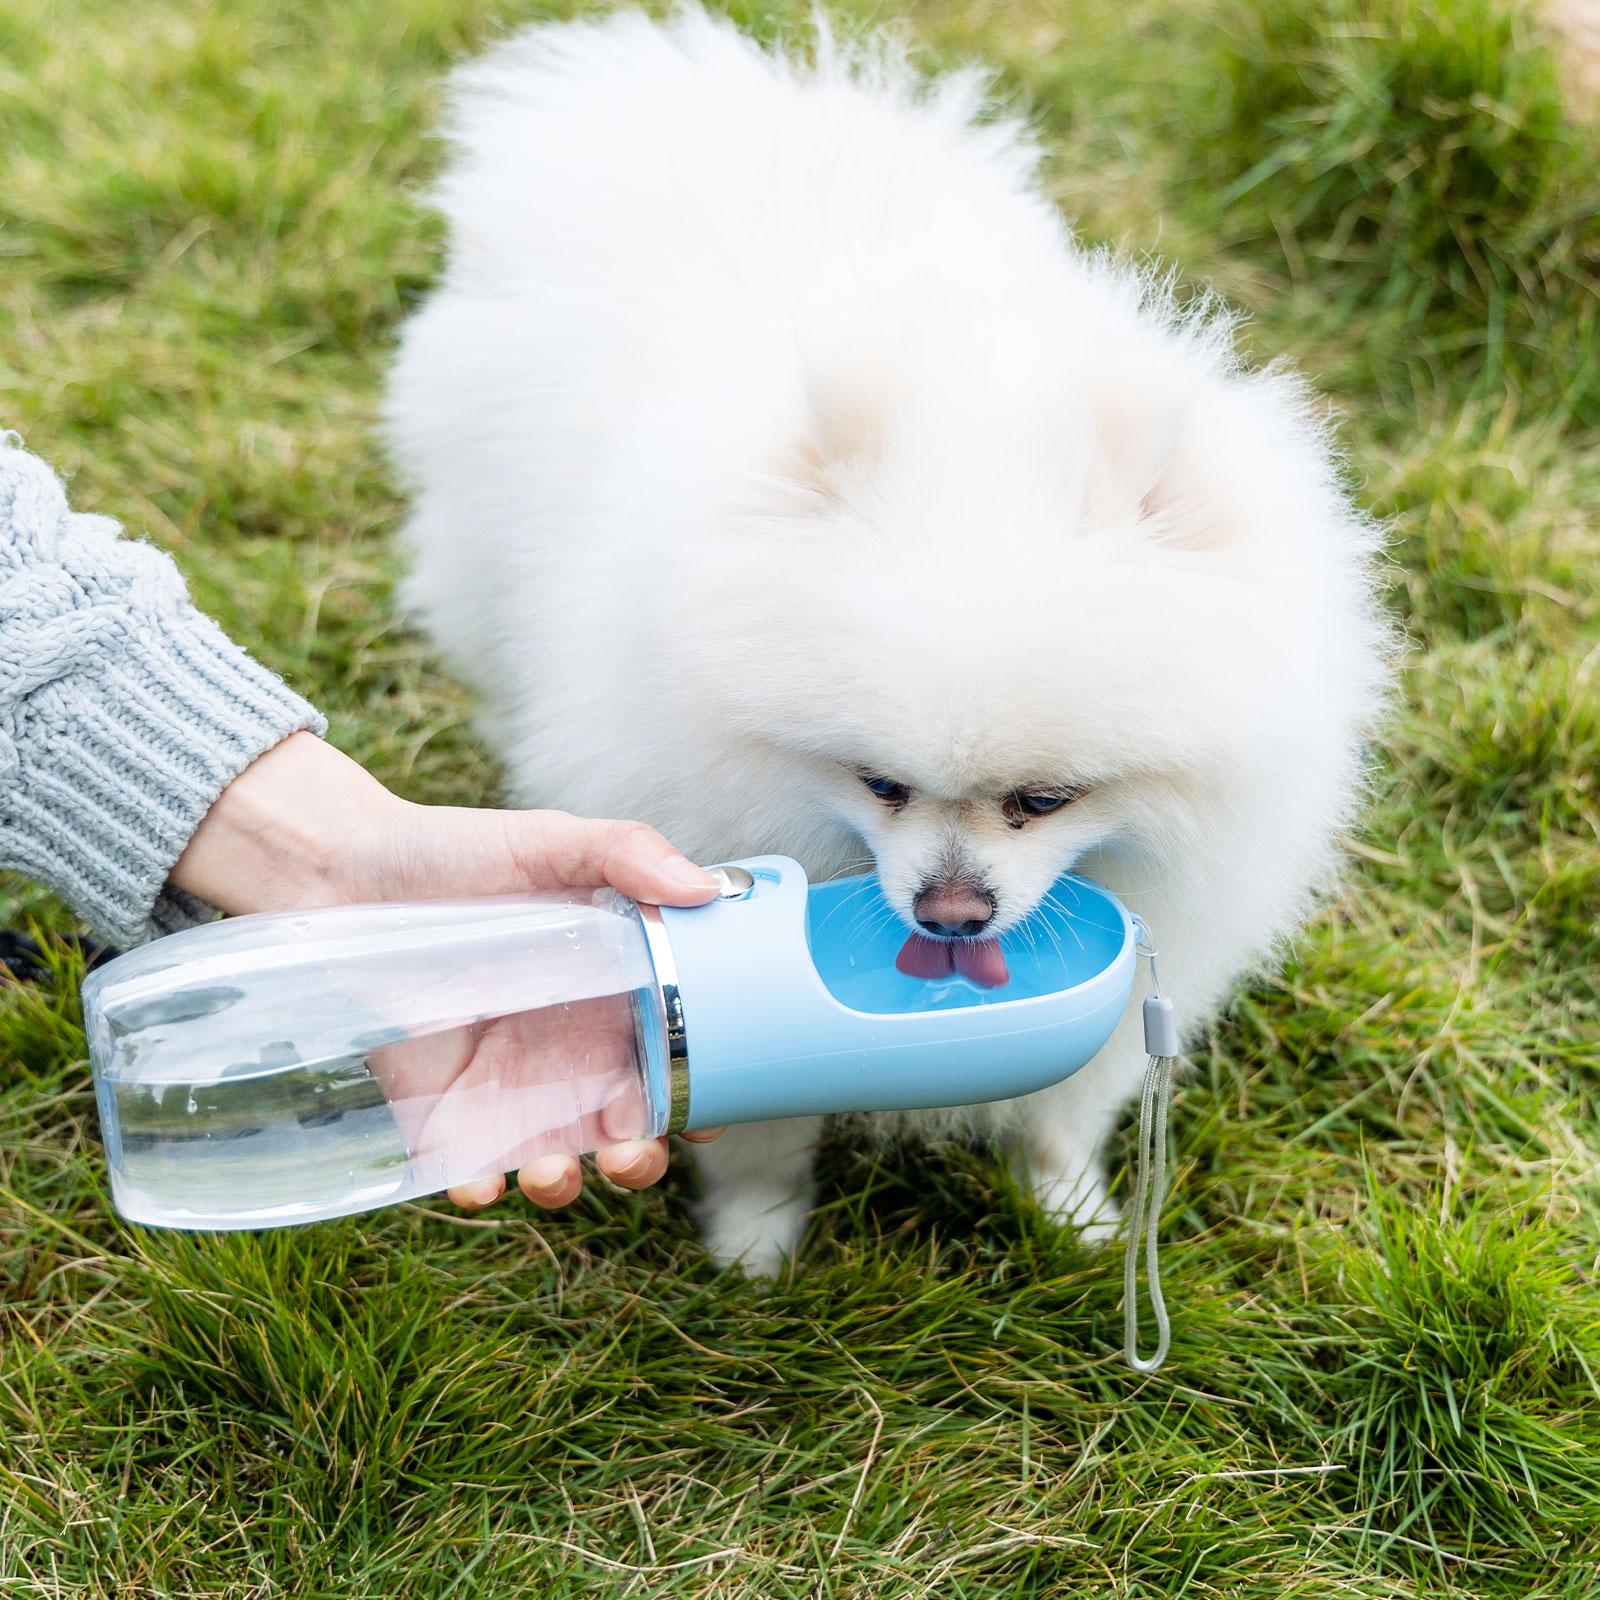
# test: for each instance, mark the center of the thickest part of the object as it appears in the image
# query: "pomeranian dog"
(786, 476)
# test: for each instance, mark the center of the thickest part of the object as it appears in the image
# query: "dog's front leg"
(1060, 1149)
(757, 1192)
(1064, 1129)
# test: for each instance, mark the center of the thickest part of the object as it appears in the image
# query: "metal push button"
(733, 883)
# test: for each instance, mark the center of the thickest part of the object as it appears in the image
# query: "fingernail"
(546, 1172)
(682, 870)
(638, 1165)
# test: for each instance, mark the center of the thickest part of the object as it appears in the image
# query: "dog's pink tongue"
(924, 958)
(981, 960)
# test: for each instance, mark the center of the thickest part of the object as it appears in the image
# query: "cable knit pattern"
(124, 712)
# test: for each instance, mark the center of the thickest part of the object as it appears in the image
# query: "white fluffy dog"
(785, 476)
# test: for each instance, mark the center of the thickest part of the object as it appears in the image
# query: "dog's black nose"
(954, 930)
(954, 910)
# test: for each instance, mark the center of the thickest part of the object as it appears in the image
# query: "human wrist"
(287, 832)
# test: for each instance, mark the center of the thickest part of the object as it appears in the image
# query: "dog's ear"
(1146, 422)
(839, 436)
(845, 410)
(1181, 512)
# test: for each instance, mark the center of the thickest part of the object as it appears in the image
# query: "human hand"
(306, 826)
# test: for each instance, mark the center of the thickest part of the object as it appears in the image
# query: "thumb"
(629, 856)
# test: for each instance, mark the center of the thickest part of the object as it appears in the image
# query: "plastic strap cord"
(1150, 1174)
(1144, 1218)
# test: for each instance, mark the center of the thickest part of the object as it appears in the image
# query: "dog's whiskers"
(844, 900)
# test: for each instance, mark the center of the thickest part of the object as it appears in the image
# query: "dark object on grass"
(26, 960)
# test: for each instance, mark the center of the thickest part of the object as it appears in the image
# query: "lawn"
(1385, 1373)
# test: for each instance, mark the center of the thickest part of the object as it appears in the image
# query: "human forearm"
(305, 825)
(124, 712)
(286, 831)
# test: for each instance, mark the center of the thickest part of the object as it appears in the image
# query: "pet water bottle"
(288, 1067)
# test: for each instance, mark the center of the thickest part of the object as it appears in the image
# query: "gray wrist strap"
(1149, 1175)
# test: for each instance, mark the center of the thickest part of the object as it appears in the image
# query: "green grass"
(1385, 1377)
(1415, 160)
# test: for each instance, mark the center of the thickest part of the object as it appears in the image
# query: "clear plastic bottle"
(294, 1066)
(284, 1068)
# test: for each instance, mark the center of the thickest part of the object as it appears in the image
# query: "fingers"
(702, 1135)
(635, 1164)
(624, 1116)
(563, 850)
(551, 1181)
(557, 1180)
(479, 1193)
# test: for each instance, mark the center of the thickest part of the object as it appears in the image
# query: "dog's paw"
(1078, 1199)
(754, 1235)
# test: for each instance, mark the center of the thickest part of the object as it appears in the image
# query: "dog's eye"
(1025, 803)
(887, 790)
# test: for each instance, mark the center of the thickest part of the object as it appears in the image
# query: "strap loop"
(1143, 1221)
(1144, 1217)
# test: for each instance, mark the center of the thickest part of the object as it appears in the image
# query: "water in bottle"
(292, 1066)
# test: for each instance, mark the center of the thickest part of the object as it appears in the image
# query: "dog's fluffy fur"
(768, 430)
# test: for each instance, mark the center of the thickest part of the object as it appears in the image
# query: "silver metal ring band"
(677, 1036)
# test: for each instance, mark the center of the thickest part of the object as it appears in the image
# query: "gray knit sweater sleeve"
(124, 712)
